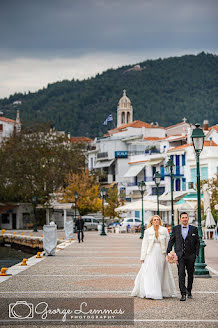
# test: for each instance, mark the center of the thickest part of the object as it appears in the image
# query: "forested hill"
(165, 90)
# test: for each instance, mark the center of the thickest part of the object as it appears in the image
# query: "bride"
(154, 279)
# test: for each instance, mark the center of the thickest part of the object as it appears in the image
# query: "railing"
(102, 155)
(132, 184)
(177, 171)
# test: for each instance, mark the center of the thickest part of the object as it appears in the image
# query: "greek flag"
(109, 119)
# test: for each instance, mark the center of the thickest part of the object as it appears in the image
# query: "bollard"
(14, 233)
(21, 233)
(3, 272)
(24, 262)
(42, 236)
(38, 256)
(31, 235)
(3, 231)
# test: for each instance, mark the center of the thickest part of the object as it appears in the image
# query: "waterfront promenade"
(106, 266)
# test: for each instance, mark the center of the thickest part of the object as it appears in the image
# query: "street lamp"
(103, 192)
(34, 201)
(157, 179)
(170, 166)
(142, 187)
(76, 195)
(198, 143)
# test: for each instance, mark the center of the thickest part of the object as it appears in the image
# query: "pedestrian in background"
(79, 227)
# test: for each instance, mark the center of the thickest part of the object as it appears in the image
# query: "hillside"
(165, 90)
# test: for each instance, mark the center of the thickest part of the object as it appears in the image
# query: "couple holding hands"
(155, 279)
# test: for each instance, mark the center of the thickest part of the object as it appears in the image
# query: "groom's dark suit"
(186, 250)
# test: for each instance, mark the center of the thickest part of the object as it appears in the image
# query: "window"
(26, 218)
(88, 220)
(161, 190)
(137, 220)
(5, 218)
(153, 171)
(1, 127)
(204, 173)
(183, 160)
(137, 214)
(193, 175)
(95, 221)
(177, 184)
(184, 184)
(162, 172)
(129, 220)
(91, 163)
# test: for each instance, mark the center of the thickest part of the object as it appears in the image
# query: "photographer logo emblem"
(21, 310)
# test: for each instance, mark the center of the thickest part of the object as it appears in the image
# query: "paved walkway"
(106, 266)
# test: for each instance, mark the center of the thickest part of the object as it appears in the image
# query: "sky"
(44, 41)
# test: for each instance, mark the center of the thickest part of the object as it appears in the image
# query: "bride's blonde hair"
(151, 219)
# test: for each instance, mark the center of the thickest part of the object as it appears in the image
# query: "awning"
(156, 161)
(134, 170)
(147, 206)
(101, 164)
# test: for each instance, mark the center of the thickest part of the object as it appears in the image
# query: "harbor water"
(10, 256)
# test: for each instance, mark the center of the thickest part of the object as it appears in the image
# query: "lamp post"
(34, 201)
(103, 192)
(76, 195)
(142, 187)
(170, 166)
(198, 143)
(157, 179)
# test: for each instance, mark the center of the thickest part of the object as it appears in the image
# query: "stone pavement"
(106, 266)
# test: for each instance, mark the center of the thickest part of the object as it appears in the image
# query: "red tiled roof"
(180, 147)
(80, 139)
(134, 124)
(138, 162)
(177, 138)
(154, 138)
(8, 120)
(172, 126)
(207, 143)
(215, 127)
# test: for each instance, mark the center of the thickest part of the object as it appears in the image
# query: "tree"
(35, 163)
(213, 187)
(113, 202)
(88, 189)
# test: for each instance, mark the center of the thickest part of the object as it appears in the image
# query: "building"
(8, 126)
(134, 150)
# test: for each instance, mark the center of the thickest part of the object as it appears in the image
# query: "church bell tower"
(124, 110)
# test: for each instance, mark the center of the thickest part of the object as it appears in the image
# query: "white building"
(8, 126)
(135, 150)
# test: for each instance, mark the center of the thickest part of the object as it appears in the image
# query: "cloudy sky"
(42, 41)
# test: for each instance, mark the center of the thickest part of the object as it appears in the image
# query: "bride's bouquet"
(172, 258)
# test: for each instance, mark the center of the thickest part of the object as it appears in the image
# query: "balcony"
(102, 155)
(177, 171)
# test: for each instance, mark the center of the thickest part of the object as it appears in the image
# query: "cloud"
(43, 41)
(88, 26)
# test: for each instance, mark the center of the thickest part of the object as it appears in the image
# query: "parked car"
(132, 222)
(90, 223)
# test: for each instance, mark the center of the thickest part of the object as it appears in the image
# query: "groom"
(186, 240)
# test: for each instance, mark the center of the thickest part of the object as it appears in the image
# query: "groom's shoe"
(189, 295)
(183, 298)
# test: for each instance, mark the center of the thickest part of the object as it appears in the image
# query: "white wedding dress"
(154, 279)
